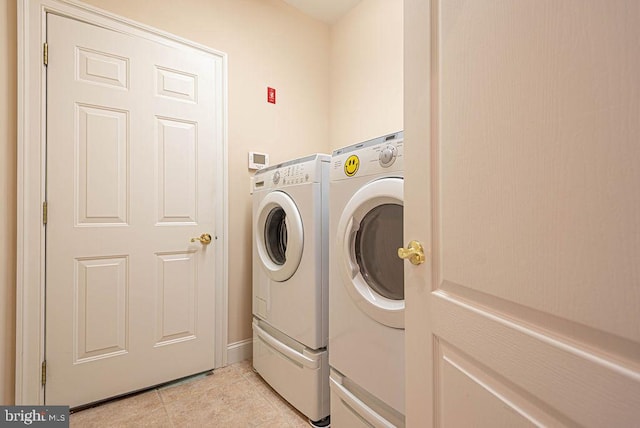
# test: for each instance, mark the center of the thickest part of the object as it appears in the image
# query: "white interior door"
(526, 116)
(131, 141)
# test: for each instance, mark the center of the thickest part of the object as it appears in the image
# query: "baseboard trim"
(239, 351)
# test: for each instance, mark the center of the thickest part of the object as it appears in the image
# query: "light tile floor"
(233, 396)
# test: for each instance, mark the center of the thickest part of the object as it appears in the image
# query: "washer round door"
(370, 231)
(279, 237)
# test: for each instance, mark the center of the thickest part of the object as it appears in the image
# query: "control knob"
(388, 156)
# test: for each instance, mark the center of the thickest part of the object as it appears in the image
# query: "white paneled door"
(131, 134)
(522, 136)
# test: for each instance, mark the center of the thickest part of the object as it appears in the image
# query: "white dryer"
(290, 281)
(366, 288)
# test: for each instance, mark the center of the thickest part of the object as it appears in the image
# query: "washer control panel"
(299, 171)
(296, 174)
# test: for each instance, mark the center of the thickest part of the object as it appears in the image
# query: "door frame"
(31, 179)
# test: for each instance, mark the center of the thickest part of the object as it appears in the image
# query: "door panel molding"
(30, 276)
(606, 346)
(508, 404)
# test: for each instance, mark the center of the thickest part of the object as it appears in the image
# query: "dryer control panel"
(295, 172)
(383, 154)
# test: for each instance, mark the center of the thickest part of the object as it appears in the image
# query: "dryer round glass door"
(369, 233)
(279, 235)
(376, 244)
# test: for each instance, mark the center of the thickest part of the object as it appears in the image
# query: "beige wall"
(367, 72)
(8, 60)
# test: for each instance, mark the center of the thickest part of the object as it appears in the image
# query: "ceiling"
(328, 11)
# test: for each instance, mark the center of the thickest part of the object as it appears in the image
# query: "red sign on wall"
(271, 95)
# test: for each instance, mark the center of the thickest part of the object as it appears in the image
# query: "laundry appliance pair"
(328, 286)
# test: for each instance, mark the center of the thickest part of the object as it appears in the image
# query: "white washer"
(366, 288)
(290, 281)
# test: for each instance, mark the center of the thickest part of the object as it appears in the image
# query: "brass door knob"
(415, 253)
(205, 239)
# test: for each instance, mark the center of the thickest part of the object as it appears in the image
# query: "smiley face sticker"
(351, 165)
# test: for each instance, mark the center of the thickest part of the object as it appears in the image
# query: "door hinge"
(45, 53)
(44, 372)
(45, 209)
